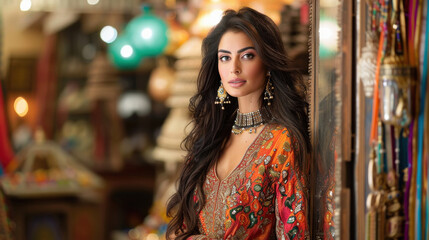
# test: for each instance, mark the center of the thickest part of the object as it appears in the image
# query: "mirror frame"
(344, 115)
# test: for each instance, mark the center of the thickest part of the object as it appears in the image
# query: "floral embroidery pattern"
(262, 198)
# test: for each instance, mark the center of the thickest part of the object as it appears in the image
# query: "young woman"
(243, 176)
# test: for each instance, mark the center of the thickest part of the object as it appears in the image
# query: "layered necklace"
(247, 122)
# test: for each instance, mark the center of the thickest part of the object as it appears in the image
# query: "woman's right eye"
(224, 58)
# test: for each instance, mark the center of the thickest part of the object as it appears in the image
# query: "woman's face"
(240, 67)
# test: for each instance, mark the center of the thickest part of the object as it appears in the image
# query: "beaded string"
(376, 92)
(380, 56)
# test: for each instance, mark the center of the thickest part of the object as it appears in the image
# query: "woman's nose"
(236, 69)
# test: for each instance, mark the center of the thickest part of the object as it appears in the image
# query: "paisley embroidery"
(291, 219)
(298, 207)
(267, 203)
(267, 160)
(261, 198)
(289, 201)
(234, 211)
(256, 206)
(244, 197)
(253, 220)
(282, 159)
(247, 209)
(261, 169)
(248, 184)
(282, 190)
(257, 188)
(292, 233)
(274, 173)
(284, 175)
(286, 146)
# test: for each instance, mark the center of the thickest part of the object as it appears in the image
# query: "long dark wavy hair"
(212, 125)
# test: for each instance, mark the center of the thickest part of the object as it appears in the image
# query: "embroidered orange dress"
(262, 198)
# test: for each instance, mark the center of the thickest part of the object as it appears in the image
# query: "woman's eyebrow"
(239, 51)
(244, 49)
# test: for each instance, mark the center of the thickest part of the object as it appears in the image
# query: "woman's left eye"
(248, 56)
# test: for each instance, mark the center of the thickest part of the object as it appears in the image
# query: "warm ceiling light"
(21, 106)
(25, 5)
(206, 20)
(92, 2)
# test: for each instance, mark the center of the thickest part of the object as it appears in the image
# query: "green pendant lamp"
(147, 33)
(123, 54)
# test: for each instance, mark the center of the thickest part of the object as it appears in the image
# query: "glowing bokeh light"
(21, 106)
(127, 51)
(123, 54)
(146, 33)
(207, 20)
(25, 5)
(328, 32)
(131, 103)
(152, 236)
(214, 17)
(92, 2)
(108, 34)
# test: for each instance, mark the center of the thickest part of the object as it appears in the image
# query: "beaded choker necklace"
(247, 122)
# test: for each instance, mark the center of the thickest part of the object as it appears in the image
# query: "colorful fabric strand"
(419, 180)
(6, 152)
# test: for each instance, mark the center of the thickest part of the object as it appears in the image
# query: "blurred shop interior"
(94, 107)
(93, 113)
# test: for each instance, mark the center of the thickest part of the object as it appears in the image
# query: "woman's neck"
(248, 106)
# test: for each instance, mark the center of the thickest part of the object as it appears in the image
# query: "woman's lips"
(236, 82)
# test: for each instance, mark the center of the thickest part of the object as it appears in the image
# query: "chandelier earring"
(269, 90)
(222, 96)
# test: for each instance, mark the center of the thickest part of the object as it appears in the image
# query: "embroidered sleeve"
(291, 222)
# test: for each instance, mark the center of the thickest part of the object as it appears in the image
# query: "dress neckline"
(242, 158)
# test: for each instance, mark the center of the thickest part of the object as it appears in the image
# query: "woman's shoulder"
(278, 132)
(276, 140)
(275, 152)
